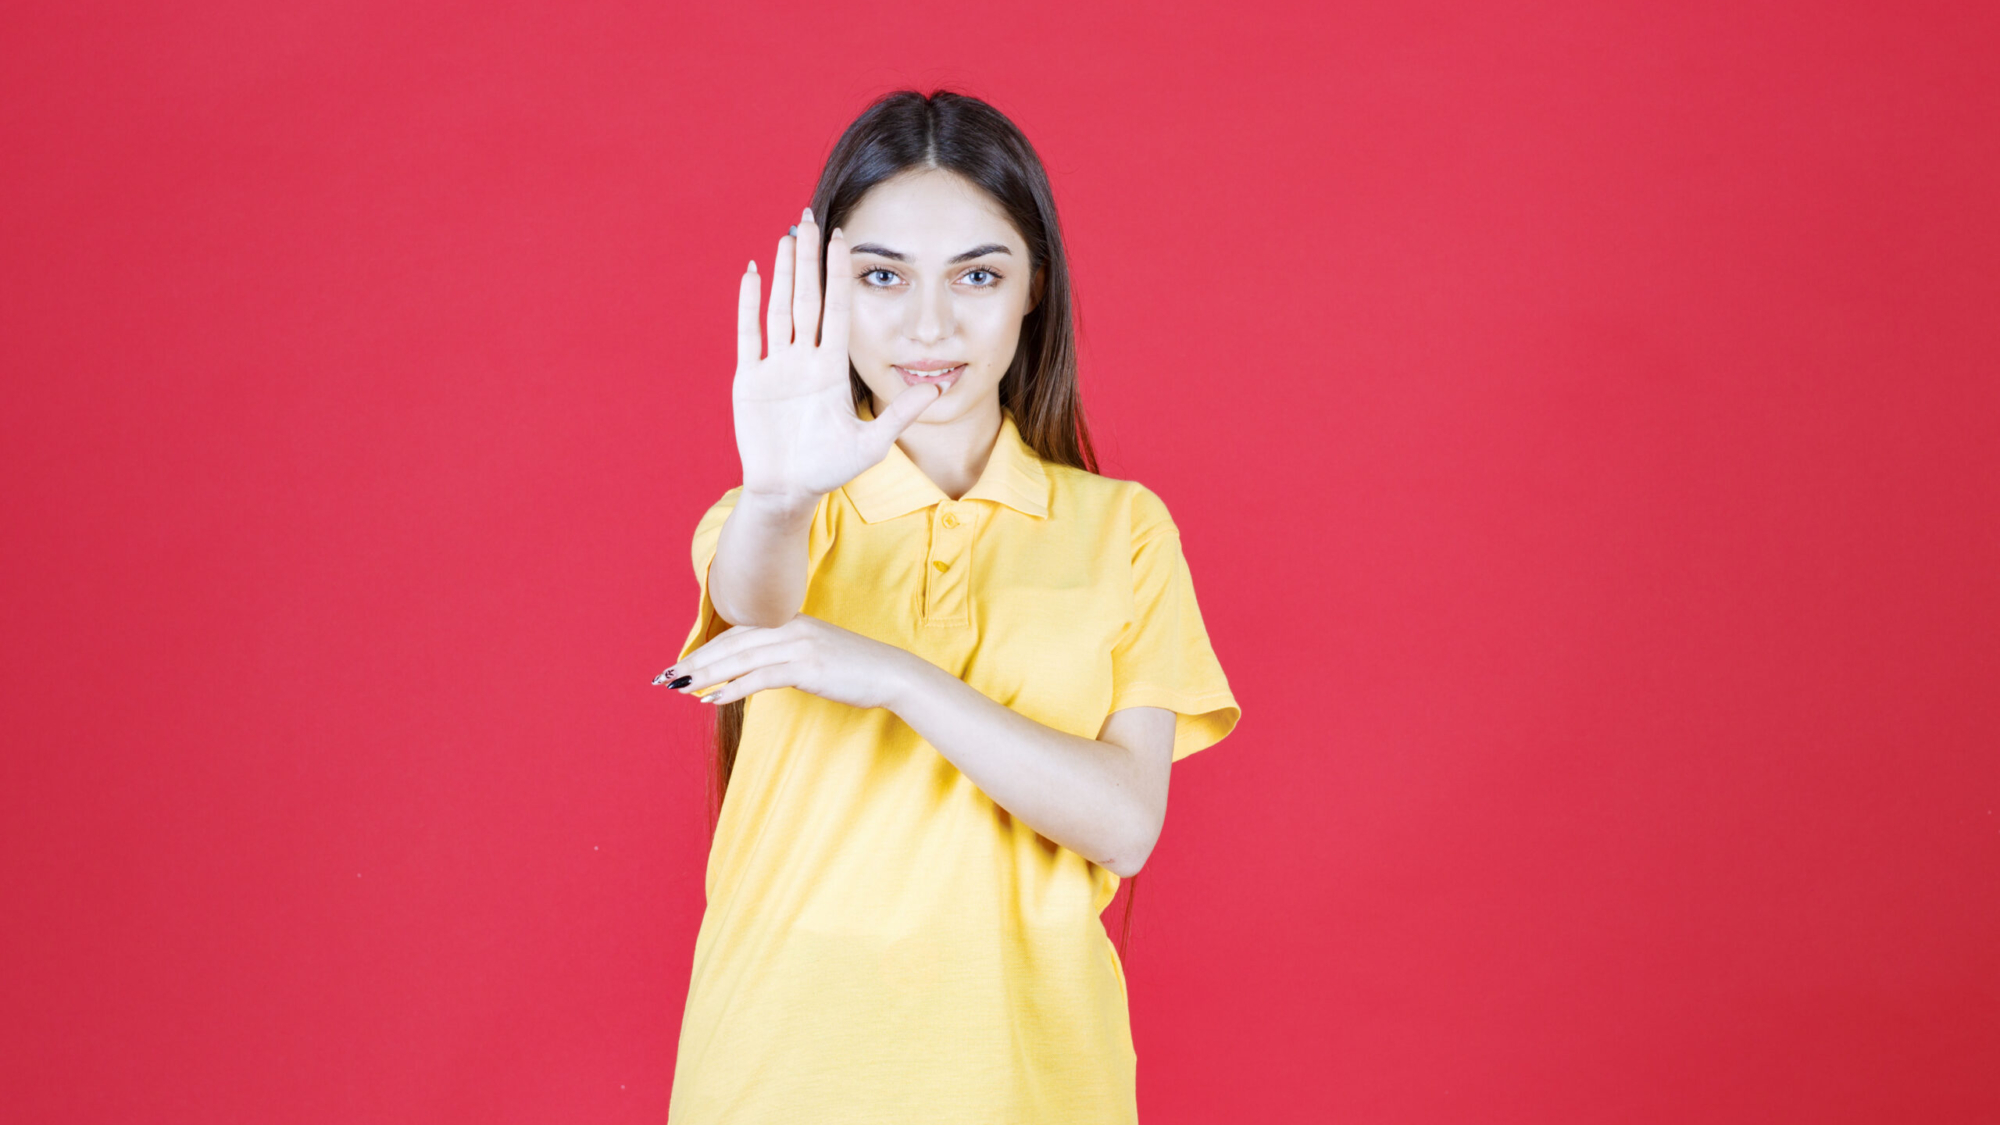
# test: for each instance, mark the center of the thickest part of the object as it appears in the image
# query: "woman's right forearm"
(758, 575)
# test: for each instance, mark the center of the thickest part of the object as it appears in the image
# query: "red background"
(1582, 419)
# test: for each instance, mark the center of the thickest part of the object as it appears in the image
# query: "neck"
(954, 453)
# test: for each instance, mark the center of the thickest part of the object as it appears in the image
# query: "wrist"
(783, 509)
(909, 681)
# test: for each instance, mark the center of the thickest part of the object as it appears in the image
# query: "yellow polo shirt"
(883, 942)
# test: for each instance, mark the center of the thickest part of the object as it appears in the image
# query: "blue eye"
(889, 276)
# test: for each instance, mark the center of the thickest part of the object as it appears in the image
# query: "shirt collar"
(1014, 475)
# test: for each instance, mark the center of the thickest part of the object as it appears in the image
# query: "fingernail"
(836, 233)
(681, 683)
(662, 677)
(794, 231)
(809, 216)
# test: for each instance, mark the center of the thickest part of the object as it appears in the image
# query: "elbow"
(1131, 859)
(733, 614)
(1124, 869)
(731, 617)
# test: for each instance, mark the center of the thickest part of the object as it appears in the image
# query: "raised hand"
(796, 429)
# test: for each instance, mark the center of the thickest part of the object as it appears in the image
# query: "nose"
(930, 315)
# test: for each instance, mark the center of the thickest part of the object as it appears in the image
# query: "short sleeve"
(1163, 658)
(707, 534)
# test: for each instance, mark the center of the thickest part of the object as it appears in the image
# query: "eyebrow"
(882, 251)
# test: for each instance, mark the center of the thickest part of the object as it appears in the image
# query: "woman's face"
(941, 279)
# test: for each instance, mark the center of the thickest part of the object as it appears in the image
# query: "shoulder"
(1125, 503)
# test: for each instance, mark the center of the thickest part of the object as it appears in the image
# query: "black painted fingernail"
(682, 682)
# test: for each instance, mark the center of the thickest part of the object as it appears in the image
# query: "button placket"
(947, 573)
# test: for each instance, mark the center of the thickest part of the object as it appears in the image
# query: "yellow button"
(941, 565)
(950, 520)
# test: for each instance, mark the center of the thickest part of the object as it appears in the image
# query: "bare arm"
(758, 576)
(796, 430)
(1104, 798)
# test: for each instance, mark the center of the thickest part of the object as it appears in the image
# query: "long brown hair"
(907, 130)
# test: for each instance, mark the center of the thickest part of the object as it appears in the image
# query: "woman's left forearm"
(1082, 793)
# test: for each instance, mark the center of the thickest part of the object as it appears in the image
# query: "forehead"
(930, 212)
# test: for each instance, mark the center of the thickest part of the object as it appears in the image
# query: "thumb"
(890, 425)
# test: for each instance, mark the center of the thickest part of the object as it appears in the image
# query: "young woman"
(968, 659)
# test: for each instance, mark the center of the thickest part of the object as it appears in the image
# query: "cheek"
(993, 330)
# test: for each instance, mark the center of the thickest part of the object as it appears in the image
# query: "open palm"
(796, 429)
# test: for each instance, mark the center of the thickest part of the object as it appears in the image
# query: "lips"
(945, 376)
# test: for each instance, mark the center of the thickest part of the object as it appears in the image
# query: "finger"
(903, 410)
(777, 675)
(749, 341)
(735, 639)
(727, 640)
(778, 318)
(733, 664)
(805, 283)
(839, 294)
